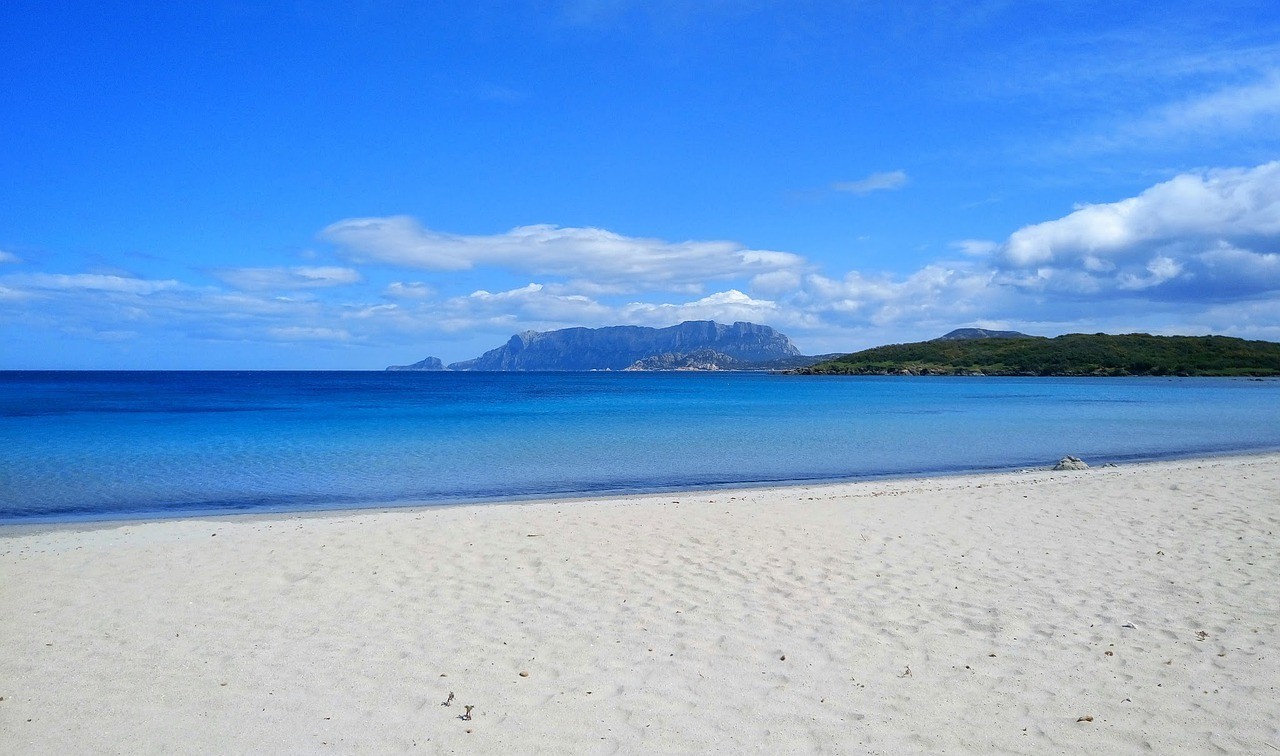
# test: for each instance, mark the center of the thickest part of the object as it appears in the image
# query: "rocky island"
(692, 345)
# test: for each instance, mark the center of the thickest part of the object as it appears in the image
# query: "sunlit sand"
(1106, 610)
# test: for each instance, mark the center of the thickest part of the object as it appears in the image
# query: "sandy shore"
(963, 614)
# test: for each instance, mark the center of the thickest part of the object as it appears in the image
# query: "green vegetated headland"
(1073, 354)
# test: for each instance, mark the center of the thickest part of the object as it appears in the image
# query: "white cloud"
(408, 290)
(533, 303)
(92, 282)
(1194, 235)
(724, 307)
(876, 182)
(1231, 109)
(1159, 270)
(14, 295)
(370, 311)
(1249, 319)
(303, 333)
(264, 279)
(1254, 265)
(779, 282)
(97, 303)
(593, 254)
(975, 247)
(9, 257)
(936, 290)
(539, 307)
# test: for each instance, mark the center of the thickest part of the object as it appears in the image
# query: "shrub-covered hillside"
(1072, 354)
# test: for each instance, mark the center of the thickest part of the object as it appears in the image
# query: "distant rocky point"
(430, 363)
(692, 345)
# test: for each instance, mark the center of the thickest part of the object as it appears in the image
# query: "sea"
(90, 446)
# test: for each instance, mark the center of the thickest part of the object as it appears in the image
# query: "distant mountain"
(962, 334)
(1072, 354)
(622, 347)
(430, 363)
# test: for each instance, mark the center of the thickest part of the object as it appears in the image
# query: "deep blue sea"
(89, 445)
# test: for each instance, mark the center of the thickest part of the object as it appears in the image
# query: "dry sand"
(969, 614)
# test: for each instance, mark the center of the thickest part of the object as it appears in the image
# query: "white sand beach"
(1114, 610)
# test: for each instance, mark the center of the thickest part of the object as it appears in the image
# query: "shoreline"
(36, 525)
(963, 613)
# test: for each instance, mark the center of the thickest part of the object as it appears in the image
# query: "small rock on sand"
(1071, 463)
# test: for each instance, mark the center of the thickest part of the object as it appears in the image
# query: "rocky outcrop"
(430, 363)
(620, 347)
(701, 359)
(1071, 463)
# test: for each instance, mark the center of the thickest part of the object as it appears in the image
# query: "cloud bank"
(1197, 253)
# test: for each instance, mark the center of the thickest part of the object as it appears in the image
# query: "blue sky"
(349, 185)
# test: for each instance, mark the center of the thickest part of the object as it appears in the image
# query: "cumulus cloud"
(9, 257)
(1158, 270)
(1213, 229)
(724, 307)
(1218, 204)
(592, 254)
(954, 290)
(876, 182)
(283, 279)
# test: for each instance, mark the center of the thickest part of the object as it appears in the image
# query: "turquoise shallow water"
(83, 446)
